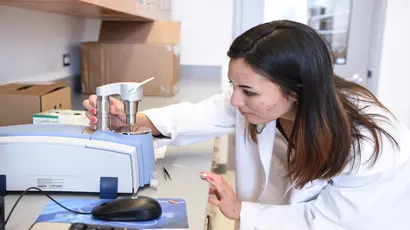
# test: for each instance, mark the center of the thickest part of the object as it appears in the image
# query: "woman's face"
(257, 98)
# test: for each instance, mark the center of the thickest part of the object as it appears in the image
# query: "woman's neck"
(290, 116)
(286, 121)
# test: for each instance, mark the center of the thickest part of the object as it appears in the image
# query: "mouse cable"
(44, 193)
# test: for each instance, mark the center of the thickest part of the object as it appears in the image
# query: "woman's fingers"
(93, 126)
(218, 182)
(93, 100)
(116, 106)
(212, 190)
(89, 115)
(90, 105)
(93, 119)
(116, 109)
(115, 101)
(213, 200)
(87, 105)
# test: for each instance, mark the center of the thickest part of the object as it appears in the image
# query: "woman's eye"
(249, 93)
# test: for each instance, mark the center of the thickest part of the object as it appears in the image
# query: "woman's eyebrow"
(245, 86)
(242, 86)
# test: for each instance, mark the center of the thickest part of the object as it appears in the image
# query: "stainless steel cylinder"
(131, 109)
(103, 113)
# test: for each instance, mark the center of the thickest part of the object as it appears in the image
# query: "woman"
(312, 151)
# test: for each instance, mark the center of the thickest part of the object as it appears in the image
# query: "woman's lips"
(244, 113)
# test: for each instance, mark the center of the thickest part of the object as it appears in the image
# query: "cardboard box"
(61, 116)
(105, 63)
(21, 100)
(134, 52)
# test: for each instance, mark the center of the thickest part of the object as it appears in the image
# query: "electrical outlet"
(66, 59)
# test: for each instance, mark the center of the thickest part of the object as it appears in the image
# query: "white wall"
(32, 44)
(295, 10)
(394, 78)
(206, 30)
(38, 40)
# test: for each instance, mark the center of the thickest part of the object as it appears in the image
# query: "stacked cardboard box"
(21, 100)
(133, 52)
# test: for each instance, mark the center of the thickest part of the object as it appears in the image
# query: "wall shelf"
(102, 9)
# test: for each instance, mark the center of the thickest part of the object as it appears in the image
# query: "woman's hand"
(223, 196)
(117, 112)
(117, 115)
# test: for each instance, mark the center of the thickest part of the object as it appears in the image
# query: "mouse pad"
(174, 214)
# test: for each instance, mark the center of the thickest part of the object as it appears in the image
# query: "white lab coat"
(376, 198)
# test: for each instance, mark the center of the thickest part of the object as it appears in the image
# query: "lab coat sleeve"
(349, 202)
(186, 123)
(323, 213)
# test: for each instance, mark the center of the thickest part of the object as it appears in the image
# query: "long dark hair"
(325, 135)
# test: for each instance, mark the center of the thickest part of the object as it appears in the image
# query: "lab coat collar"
(265, 146)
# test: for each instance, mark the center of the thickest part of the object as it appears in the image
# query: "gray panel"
(200, 71)
(375, 52)
(247, 14)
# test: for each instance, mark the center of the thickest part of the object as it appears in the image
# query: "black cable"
(44, 193)
(32, 226)
(2, 213)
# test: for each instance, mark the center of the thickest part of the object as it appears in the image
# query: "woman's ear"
(293, 97)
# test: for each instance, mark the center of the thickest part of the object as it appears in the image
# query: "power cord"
(44, 193)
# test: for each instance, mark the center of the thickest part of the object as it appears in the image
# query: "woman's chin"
(254, 121)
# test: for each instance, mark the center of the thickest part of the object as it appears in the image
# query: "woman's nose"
(237, 99)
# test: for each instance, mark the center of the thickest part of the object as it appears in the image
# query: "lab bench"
(184, 165)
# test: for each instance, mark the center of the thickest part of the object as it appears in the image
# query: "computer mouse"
(139, 208)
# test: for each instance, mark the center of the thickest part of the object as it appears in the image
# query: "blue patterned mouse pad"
(174, 214)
